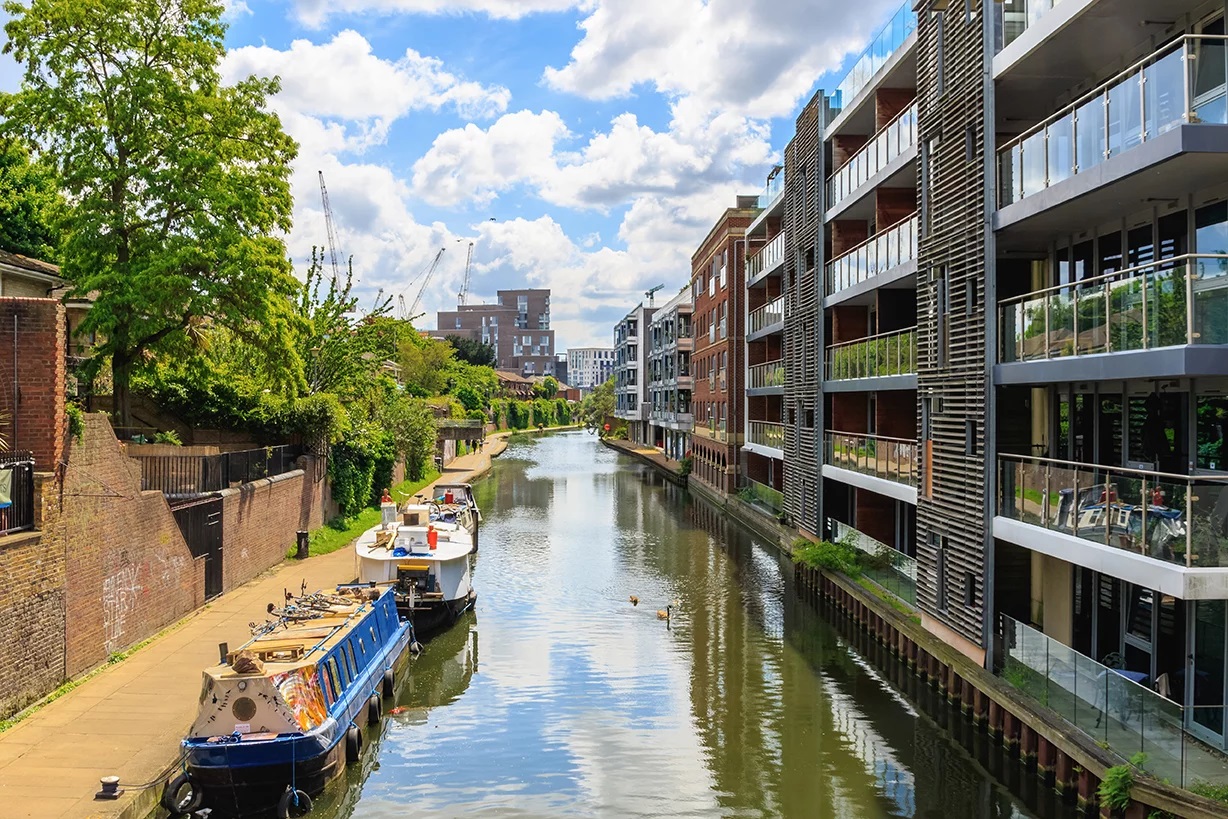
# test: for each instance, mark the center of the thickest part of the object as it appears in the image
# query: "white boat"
(454, 503)
(427, 563)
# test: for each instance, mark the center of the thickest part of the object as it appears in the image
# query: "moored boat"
(424, 560)
(281, 716)
(454, 503)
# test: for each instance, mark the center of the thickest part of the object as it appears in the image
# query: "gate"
(200, 521)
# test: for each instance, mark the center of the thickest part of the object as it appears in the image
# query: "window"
(969, 590)
(969, 143)
(809, 419)
(942, 309)
(939, 542)
(969, 295)
(970, 437)
(458, 322)
(349, 648)
(724, 317)
(939, 79)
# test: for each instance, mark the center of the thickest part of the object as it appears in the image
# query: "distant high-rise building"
(518, 328)
(589, 367)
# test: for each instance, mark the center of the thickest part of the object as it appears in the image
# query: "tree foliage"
(30, 202)
(178, 184)
(425, 363)
(547, 388)
(472, 351)
(597, 406)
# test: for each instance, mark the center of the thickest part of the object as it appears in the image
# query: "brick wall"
(849, 322)
(38, 420)
(875, 515)
(843, 147)
(896, 413)
(891, 205)
(889, 102)
(846, 234)
(128, 570)
(32, 609)
(849, 412)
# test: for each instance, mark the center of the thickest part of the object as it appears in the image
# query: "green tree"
(472, 351)
(29, 203)
(425, 363)
(178, 184)
(597, 405)
(547, 388)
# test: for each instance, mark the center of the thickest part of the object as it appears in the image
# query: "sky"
(586, 146)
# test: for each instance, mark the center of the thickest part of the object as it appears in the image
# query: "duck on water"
(283, 715)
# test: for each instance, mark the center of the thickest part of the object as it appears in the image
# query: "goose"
(663, 614)
(635, 601)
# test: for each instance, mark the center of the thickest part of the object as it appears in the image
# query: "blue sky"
(582, 145)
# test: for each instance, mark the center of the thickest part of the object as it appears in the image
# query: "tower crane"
(426, 280)
(463, 295)
(328, 223)
(648, 294)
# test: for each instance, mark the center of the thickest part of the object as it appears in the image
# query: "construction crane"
(426, 280)
(463, 295)
(328, 223)
(648, 294)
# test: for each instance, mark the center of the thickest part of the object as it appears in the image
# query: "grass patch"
(1211, 790)
(887, 597)
(339, 532)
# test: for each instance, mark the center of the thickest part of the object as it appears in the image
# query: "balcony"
(874, 456)
(770, 318)
(765, 260)
(890, 568)
(17, 471)
(760, 494)
(673, 419)
(888, 250)
(887, 354)
(1170, 519)
(1178, 302)
(769, 376)
(712, 430)
(876, 55)
(1162, 101)
(767, 435)
(773, 189)
(891, 142)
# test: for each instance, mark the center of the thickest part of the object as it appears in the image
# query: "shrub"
(76, 422)
(685, 465)
(835, 557)
(168, 436)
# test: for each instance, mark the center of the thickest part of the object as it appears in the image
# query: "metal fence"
(16, 492)
(185, 475)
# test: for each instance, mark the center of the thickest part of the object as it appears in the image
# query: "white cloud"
(751, 56)
(234, 9)
(314, 13)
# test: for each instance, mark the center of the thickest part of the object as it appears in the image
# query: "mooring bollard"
(304, 544)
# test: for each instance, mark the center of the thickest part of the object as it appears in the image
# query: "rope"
(293, 774)
(161, 780)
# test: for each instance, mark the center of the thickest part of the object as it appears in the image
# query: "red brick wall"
(849, 412)
(889, 102)
(846, 234)
(842, 147)
(891, 205)
(38, 417)
(849, 322)
(128, 572)
(875, 515)
(32, 609)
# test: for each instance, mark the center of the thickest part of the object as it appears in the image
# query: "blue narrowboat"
(282, 715)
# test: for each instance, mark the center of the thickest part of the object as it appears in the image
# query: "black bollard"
(304, 543)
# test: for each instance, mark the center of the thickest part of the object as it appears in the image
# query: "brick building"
(518, 328)
(718, 360)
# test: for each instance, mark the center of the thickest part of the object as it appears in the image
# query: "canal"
(559, 697)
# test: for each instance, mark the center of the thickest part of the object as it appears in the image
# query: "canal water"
(557, 697)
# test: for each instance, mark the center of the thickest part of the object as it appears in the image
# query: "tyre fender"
(353, 744)
(176, 801)
(293, 803)
(389, 685)
(375, 709)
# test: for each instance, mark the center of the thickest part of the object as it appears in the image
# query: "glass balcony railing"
(887, 249)
(775, 187)
(885, 43)
(1108, 703)
(893, 459)
(766, 433)
(769, 314)
(763, 495)
(893, 139)
(885, 354)
(766, 257)
(1014, 17)
(890, 568)
(1183, 300)
(768, 374)
(1171, 518)
(1184, 82)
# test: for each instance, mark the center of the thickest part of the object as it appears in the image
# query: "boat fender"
(353, 744)
(176, 801)
(375, 709)
(388, 688)
(415, 647)
(293, 803)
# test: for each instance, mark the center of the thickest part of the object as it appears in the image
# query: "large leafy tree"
(29, 203)
(178, 185)
(472, 350)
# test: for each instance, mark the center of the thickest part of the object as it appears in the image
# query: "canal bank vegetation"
(845, 558)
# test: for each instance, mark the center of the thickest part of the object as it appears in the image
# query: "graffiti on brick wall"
(119, 595)
(170, 568)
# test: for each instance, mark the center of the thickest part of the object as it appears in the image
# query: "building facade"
(589, 367)
(518, 328)
(669, 376)
(717, 294)
(631, 372)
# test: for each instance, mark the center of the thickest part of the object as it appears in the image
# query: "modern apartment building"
(588, 367)
(631, 372)
(669, 376)
(717, 293)
(1005, 309)
(518, 327)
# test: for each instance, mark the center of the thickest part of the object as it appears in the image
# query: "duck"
(635, 601)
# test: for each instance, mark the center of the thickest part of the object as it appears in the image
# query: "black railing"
(16, 492)
(185, 475)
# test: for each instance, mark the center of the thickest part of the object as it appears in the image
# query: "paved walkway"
(128, 720)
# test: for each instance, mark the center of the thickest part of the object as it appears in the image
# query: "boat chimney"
(223, 649)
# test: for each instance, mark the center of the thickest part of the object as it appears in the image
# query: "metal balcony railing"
(17, 509)
(893, 459)
(775, 187)
(885, 43)
(772, 253)
(766, 433)
(1014, 17)
(884, 354)
(886, 249)
(892, 139)
(1183, 300)
(768, 315)
(1181, 83)
(1172, 518)
(768, 374)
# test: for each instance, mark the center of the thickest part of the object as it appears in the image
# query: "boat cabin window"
(349, 649)
(348, 670)
(336, 677)
(328, 684)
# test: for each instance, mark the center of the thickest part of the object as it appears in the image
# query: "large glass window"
(1210, 289)
(1212, 424)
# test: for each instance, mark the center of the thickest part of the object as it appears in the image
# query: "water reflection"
(747, 703)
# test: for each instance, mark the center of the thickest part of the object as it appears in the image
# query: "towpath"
(127, 720)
